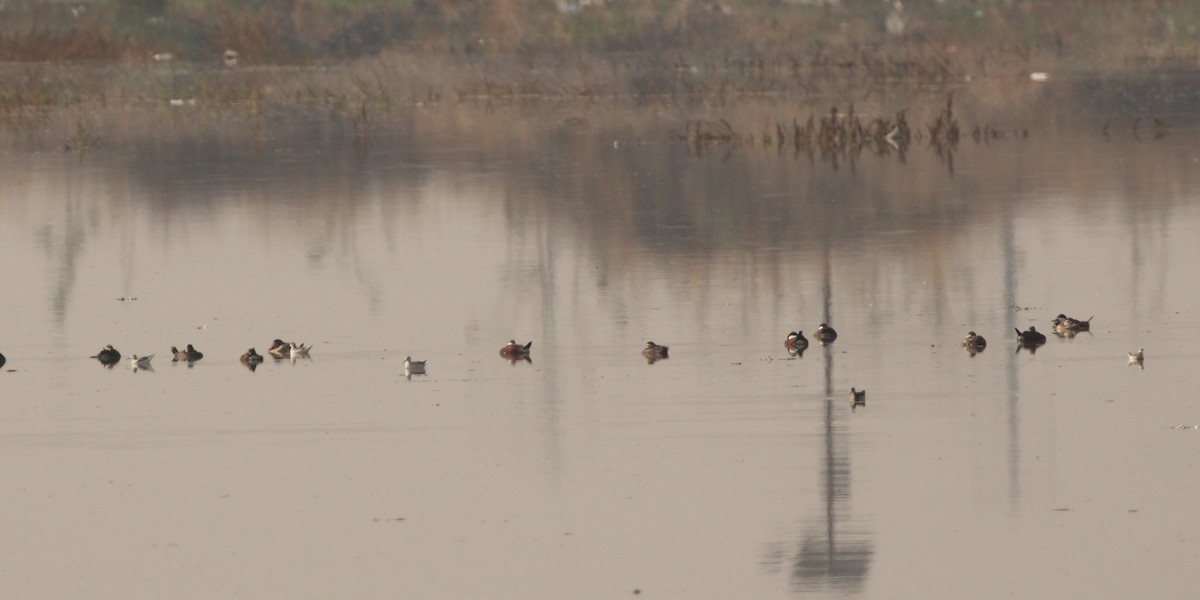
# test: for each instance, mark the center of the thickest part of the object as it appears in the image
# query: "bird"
(230, 58)
(190, 354)
(108, 356)
(251, 358)
(299, 350)
(1136, 358)
(143, 362)
(414, 367)
(796, 342)
(826, 334)
(654, 352)
(1032, 337)
(857, 398)
(514, 351)
(1069, 326)
(2, 360)
(282, 349)
(974, 342)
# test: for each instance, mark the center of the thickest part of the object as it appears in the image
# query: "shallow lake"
(729, 470)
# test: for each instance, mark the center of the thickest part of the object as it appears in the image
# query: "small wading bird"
(795, 342)
(140, 362)
(414, 367)
(1136, 358)
(514, 351)
(108, 356)
(654, 352)
(299, 350)
(857, 398)
(190, 354)
(826, 334)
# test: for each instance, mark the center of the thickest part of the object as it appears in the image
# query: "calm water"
(729, 470)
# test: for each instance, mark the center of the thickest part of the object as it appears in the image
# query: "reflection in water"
(832, 555)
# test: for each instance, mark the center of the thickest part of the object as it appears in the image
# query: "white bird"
(1135, 358)
(414, 367)
(136, 361)
(300, 350)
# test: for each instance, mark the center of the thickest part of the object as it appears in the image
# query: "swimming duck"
(796, 342)
(857, 398)
(974, 342)
(252, 359)
(514, 351)
(826, 334)
(1136, 358)
(1031, 337)
(1068, 325)
(190, 354)
(108, 356)
(414, 367)
(298, 350)
(654, 352)
(282, 349)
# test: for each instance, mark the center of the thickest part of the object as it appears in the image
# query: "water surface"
(729, 470)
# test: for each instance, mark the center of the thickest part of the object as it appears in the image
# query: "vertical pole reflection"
(830, 558)
(1008, 250)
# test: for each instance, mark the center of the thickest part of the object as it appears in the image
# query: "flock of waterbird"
(795, 343)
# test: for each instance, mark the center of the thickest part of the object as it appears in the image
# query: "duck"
(1032, 337)
(974, 342)
(190, 354)
(414, 367)
(1064, 324)
(796, 342)
(108, 356)
(857, 398)
(514, 351)
(654, 352)
(282, 349)
(143, 362)
(1136, 358)
(298, 350)
(252, 357)
(826, 334)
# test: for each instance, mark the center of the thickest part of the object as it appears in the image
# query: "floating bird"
(108, 356)
(142, 362)
(414, 367)
(857, 398)
(299, 350)
(1031, 337)
(1064, 325)
(796, 342)
(282, 349)
(2, 360)
(974, 343)
(251, 359)
(653, 352)
(190, 354)
(514, 351)
(826, 334)
(1136, 358)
